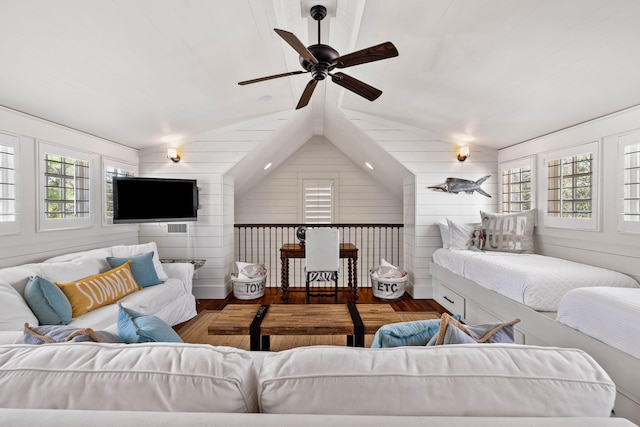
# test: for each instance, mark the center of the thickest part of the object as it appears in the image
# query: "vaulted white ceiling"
(493, 72)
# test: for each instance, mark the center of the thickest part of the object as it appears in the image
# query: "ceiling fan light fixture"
(320, 59)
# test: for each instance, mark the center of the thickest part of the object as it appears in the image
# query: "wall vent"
(176, 228)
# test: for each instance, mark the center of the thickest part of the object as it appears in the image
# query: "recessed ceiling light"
(368, 165)
(267, 166)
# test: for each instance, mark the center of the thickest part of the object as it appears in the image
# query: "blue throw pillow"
(47, 301)
(134, 327)
(418, 332)
(141, 267)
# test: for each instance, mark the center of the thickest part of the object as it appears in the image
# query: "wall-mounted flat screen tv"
(154, 200)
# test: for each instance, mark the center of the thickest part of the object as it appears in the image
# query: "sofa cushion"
(76, 269)
(134, 327)
(167, 377)
(14, 310)
(19, 276)
(49, 334)
(133, 250)
(101, 253)
(95, 291)
(472, 380)
(141, 266)
(47, 301)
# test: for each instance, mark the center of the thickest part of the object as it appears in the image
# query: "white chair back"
(322, 249)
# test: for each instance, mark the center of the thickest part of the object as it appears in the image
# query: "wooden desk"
(294, 250)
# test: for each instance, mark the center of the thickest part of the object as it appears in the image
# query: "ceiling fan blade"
(370, 54)
(275, 76)
(295, 43)
(356, 86)
(306, 95)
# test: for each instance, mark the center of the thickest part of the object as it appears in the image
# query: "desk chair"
(322, 257)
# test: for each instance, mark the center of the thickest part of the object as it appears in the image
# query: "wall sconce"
(172, 154)
(463, 153)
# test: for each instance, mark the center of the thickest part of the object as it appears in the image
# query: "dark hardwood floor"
(297, 296)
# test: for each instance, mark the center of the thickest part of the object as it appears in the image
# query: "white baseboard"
(211, 291)
(420, 291)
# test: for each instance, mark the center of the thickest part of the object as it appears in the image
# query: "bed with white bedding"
(589, 310)
(537, 281)
(478, 301)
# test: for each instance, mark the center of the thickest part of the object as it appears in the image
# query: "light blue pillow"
(141, 267)
(134, 327)
(47, 301)
(418, 332)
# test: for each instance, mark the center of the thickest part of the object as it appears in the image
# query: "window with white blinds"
(9, 206)
(629, 151)
(572, 197)
(318, 201)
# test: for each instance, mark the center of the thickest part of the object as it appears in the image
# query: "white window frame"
(318, 177)
(625, 226)
(117, 164)
(518, 164)
(15, 226)
(47, 224)
(588, 224)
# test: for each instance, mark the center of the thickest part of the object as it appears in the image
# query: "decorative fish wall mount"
(457, 185)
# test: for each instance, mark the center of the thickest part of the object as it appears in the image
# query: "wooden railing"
(261, 243)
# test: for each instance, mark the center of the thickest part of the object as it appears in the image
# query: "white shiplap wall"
(27, 244)
(605, 247)
(277, 198)
(207, 158)
(409, 219)
(432, 161)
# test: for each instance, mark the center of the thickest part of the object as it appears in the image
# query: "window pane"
(67, 185)
(574, 179)
(631, 184)
(516, 188)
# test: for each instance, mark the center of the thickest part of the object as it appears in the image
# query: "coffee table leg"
(349, 340)
(266, 343)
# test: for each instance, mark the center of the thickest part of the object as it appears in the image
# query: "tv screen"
(154, 200)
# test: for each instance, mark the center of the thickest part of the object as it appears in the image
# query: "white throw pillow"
(508, 232)
(444, 234)
(122, 251)
(70, 271)
(15, 311)
(460, 234)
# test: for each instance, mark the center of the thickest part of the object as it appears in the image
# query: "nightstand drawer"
(452, 301)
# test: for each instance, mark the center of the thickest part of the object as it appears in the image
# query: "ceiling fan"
(320, 59)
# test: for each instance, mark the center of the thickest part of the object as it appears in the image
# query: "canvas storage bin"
(248, 288)
(387, 288)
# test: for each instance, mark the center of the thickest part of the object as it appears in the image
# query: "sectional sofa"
(171, 299)
(158, 383)
(190, 384)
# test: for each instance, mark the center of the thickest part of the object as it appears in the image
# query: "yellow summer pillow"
(96, 291)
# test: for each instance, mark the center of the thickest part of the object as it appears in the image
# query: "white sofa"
(171, 301)
(190, 384)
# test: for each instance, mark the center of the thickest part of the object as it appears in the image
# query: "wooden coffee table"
(352, 320)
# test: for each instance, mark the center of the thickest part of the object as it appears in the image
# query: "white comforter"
(611, 315)
(536, 281)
